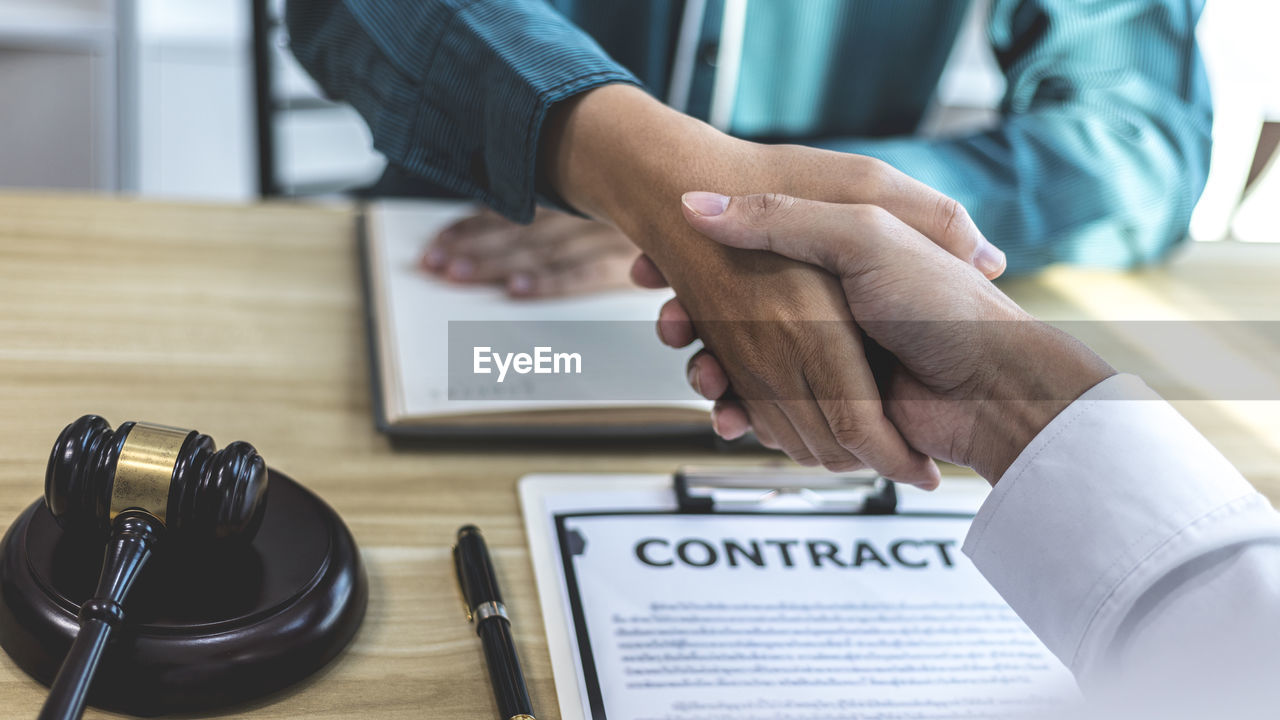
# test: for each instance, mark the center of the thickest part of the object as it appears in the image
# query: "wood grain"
(246, 322)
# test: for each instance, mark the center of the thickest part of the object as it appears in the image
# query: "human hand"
(973, 378)
(557, 254)
(782, 328)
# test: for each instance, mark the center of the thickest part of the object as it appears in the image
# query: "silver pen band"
(486, 610)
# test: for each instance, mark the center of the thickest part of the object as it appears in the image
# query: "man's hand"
(780, 327)
(974, 378)
(558, 254)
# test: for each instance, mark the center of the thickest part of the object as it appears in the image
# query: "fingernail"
(934, 479)
(692, 375)
(705, 204)
(715, 426)
(520, 284)
(435, 258)
(990, 260)
(461, 269)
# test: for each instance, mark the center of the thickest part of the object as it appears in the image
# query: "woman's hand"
(557, 254)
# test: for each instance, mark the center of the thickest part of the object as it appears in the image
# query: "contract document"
(758, 616)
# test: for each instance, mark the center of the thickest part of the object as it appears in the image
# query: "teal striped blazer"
(1099, 156)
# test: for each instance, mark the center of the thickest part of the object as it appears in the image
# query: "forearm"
(619, 155)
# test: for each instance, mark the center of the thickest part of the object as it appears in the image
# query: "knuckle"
(767, 208)
(852, 465)
(802, 456)
(954, 220)
(851, 432)
(876, 171)
(872, 216)
(845, 463)
(833, 458)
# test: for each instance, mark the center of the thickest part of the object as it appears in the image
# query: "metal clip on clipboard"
(707, 490)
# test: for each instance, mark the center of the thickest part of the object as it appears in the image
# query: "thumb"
(823, 234)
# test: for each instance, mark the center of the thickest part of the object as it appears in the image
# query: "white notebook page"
(419, 306)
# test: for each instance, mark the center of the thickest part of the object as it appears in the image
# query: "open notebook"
(424, 332)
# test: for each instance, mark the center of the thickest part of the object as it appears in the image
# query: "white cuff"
(1113, 494)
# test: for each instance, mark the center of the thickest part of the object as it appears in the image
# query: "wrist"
(617, 154)
(1036, 371)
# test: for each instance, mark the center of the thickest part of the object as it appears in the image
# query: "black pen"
(484, 608)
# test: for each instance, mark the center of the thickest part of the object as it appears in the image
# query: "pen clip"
(462, 590)
(782, 490)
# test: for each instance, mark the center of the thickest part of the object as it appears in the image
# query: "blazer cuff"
(516, 63)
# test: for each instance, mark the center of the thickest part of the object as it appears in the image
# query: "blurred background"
(201, 100)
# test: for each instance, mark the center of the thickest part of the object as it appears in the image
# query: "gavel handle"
(133, 537)
(71, 687)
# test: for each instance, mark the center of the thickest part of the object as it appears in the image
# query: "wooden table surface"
(247, 323)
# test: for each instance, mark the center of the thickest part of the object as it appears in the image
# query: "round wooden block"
(202, 630)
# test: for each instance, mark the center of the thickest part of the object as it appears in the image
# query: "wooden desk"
(246, 322)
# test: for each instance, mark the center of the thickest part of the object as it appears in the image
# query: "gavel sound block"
(210, 621)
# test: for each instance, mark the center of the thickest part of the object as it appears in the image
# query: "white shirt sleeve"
(1135, 551)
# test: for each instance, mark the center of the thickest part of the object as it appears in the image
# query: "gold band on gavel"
(145, 469)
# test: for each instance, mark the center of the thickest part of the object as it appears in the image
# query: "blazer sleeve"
(1103, 145)
(455, 91)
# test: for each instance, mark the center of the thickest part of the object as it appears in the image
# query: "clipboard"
(551, 503)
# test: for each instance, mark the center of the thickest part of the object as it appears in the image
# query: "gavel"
(141, 485)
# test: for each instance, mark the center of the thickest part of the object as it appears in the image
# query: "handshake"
(932, 360)
(846, 310)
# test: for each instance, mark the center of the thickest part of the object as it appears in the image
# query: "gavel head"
(197, 492)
